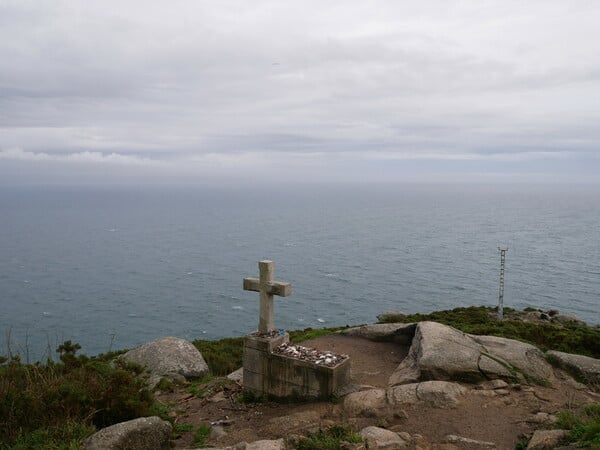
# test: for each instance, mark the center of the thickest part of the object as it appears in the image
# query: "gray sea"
(111, 268)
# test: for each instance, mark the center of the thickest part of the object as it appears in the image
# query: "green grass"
(222, 356)
(329, 439)
(68, 436)
(583, 427)
(311, 333)
(200, 387)
(208, 385)
(183, 428)
(201, 435)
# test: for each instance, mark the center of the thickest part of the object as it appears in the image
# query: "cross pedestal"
(267, 288)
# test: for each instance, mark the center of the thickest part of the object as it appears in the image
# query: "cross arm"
(275, 288)
(252, 284)
(281, 289)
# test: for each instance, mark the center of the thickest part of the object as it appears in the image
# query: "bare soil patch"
(503, 418)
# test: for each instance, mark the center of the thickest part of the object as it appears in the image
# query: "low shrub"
(222, 356)
(584, 426)
(201, 435)
(208, 385)
(68, 436)
(329, 438)
(78, 393)
(183, 428)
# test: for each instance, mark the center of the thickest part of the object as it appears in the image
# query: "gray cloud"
(197, 88)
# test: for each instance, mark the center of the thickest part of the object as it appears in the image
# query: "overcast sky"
(215, 91)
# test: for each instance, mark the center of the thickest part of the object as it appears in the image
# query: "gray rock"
(494, 384)
(146, 433)
(584, 366)
(266, 445)
(404, 394)
(567, 319)
(380, 438)
(369, 403)
(169, 356)
(525, 357)
(402, 333)
(492, 366)
(484, 393)
(576, 385)
(405, 436)
(473, 444)
(440, 394)
(237, 375)
(440, 352)
(345, 445)
(546, 439)
(542, 418)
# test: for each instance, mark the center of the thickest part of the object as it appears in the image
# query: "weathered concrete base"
(277, 376)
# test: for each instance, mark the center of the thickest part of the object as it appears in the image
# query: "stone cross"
(267, 288)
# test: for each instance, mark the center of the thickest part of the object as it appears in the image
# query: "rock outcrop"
(440, 352)
(525, 358)
(370, 403)
(546, 439)
(276, 444)
(237, 375)
(468, 443)
(438, 394)
(169, 357)
(378, 402)
(265, 444)
(145, 433)
(380, 438)
(586, 368)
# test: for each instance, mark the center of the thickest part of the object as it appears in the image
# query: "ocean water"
(113, 268)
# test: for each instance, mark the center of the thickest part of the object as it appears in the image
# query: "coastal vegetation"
(329, 438)
(573, 337)
(58, 403)
(583, 426)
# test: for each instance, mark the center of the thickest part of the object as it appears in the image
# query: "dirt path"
(372, 362)
(502, 418)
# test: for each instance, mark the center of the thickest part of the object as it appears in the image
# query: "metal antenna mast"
(501, 290)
